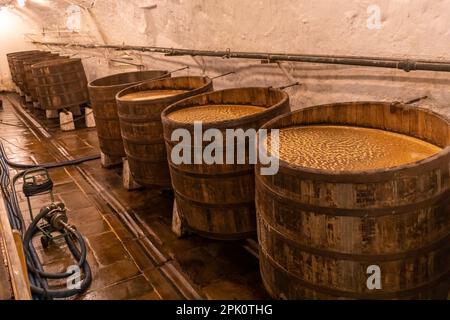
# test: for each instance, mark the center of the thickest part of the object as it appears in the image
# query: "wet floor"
(132, 251)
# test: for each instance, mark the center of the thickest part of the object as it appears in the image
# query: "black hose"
(61, 293)
(51, 165)
(31, 190)
(38, 278)
(33, 229)
(32, 256)
(67, 293)
(17, 223)
(80, 255)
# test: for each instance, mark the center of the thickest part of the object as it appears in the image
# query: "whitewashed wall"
(407, 29)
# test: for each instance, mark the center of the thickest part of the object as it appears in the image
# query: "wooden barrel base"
(111, 147)
(280, 284)
(109, 162)
(179, 226)
(218, 222)
(222, 237)
(152, 174)
(129, 183)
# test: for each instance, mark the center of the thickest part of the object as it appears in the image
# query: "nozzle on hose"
(57, 217)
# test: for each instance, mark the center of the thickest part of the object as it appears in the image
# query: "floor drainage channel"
(175, 276)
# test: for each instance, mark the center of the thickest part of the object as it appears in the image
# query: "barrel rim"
(18, 61)
(55, 62)
(183, 96)
(224, 123)
(32, 61)
(31, 55)
(22, 52)
(347, 175)
(93, 85)
(14, 56)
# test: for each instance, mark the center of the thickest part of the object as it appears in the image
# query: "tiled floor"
(141, 259)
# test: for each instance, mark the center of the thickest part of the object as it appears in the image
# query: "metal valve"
(57, 217)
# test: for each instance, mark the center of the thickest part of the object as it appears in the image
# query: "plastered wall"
(388, 28)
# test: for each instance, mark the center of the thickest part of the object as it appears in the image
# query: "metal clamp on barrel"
(396, 105)
(223, 75)
(407, 65)
(295, 84)
(169, 73)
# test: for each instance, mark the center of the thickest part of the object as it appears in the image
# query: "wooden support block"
(110, 161)
(128, 181)
(90, 119)
(52, 114)
(76, 111)
(36, 105)
(28, 99)
(21, 92)
(179, 226)
(66, 121)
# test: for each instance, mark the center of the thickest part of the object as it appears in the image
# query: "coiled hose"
(17, 223)
(79, 254)
(38, 278)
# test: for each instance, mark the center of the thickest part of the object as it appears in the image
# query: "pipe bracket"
(407, 65)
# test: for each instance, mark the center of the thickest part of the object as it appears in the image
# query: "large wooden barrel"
(103, 93)
(324, 234)
(20, 67)
(61, 83)
(218, 200)
(11, 62)
(29, 82)
(17, 65)
(142, 132)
